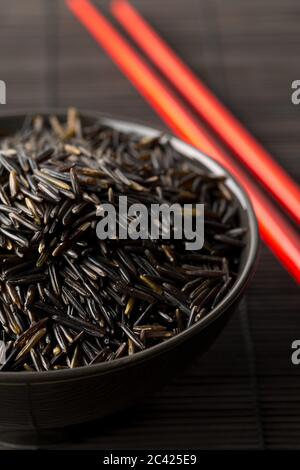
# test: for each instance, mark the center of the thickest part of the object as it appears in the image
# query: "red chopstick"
(276, 232)
(243, 144)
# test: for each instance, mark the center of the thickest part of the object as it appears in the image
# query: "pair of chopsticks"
(275, 230)
(227, 127)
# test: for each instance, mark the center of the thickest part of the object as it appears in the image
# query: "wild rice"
(68, 299)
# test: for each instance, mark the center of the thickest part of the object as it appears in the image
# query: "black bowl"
(37, 402)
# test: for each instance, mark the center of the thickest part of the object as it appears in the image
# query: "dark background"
(245, 392)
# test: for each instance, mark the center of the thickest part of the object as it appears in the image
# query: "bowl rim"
(127, 125)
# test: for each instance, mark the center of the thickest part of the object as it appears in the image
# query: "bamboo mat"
(245, 391)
